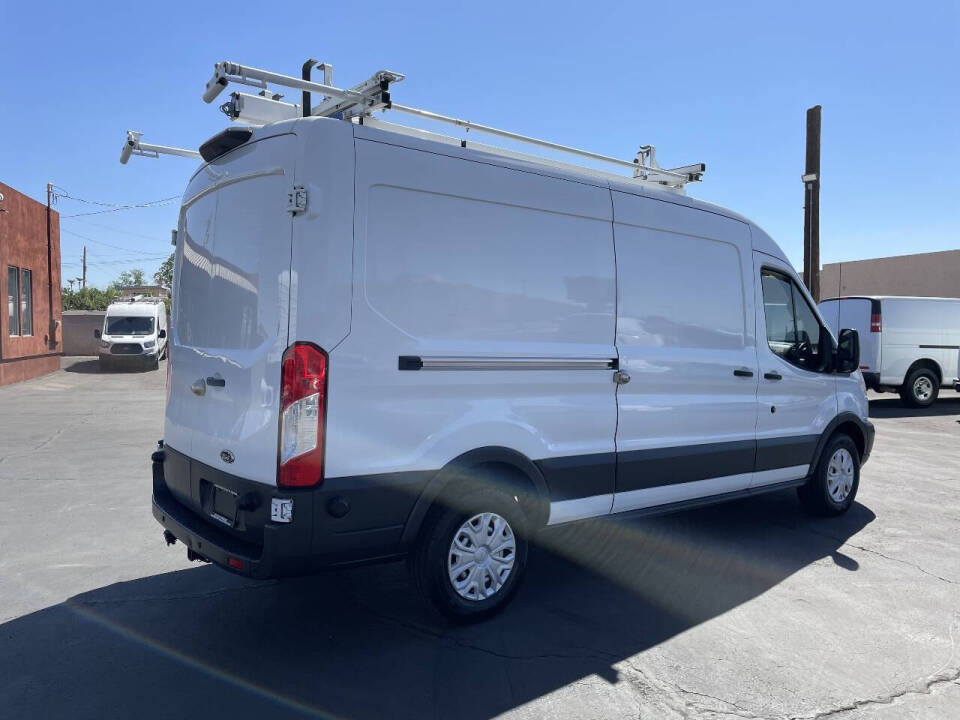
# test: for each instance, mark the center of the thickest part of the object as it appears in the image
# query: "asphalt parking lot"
(750, 609)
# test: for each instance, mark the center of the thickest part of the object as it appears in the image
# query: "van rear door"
(230, 322)
(860, 314)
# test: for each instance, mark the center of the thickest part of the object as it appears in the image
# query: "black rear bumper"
(871, 380)
(257, 546)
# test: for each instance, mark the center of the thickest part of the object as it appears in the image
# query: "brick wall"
(23, 244)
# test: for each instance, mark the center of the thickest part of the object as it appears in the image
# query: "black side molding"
(224, 141)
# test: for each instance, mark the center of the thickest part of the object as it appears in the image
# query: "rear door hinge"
(297, 200)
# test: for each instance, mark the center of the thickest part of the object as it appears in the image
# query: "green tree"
(164, 276)
(136, 276)
(90, 298)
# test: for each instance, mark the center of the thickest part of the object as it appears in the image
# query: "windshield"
(129, 325)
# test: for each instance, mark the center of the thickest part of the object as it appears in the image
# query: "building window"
(13, 304)
(26, 302)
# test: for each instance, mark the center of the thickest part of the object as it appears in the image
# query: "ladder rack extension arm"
(133, 146)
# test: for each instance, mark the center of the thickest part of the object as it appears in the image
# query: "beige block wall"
(924, 275)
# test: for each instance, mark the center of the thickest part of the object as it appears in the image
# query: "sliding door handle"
(773, 375)
(743, 372)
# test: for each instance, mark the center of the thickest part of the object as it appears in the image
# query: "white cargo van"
(388, 345)
(134, 331)
(907, 344)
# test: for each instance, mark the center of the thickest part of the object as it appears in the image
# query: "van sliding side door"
(685, 337)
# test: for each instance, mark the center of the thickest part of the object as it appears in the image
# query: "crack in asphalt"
(926, 688)
(846, 543)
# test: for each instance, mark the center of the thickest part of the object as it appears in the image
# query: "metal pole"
(83, 279)
(811, 216)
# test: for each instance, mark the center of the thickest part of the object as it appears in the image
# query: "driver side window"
(793, 331)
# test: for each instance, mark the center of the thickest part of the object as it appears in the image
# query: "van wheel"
(833, 486)
(920, 388)
(469, 559)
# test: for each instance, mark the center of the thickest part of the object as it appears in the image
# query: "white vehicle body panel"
(685, 295)
(468, 301)
(912, 329)
(467, 261)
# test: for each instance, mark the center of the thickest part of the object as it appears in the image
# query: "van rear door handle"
(772, 376)
(743, 372)
(214, 381)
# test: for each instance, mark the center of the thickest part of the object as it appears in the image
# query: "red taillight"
(235, 563)
(303, 394)
(875, 322)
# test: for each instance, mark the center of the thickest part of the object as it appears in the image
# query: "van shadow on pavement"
(92, 367)
(359, 643)
(947, 404)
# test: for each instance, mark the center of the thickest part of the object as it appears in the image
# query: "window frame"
(825, 339)
(16, 296)
(28, 311)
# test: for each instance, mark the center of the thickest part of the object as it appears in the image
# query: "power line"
(100, 242)
(123, 232)
(111, 207)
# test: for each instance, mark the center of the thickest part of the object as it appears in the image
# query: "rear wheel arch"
(927, 363)
(499, 467)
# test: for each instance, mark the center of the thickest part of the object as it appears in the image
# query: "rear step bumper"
(318, 536)
(281, 552)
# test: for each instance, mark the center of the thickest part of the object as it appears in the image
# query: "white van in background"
(388, 346)
(907, 344)
(134, 330)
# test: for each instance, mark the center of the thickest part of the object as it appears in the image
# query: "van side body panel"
(919, 329)
(500, 283)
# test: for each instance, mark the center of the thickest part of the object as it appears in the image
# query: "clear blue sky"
(722, 83)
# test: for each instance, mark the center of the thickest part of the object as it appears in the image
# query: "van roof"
(133, 309)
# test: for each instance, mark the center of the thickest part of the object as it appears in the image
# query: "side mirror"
(162, 334)
(848, 351)
(97, 333)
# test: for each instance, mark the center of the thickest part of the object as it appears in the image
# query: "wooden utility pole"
(811, 205)
(83, 279)
(51, 324)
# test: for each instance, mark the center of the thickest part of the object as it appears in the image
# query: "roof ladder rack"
(374, 94)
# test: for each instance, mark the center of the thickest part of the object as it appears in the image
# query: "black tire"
(911, 391)
(815, 495)
(428, 560)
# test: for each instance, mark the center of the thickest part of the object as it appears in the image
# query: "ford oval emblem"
(226, 456)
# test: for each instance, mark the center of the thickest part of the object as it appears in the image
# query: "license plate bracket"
(223, 506)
